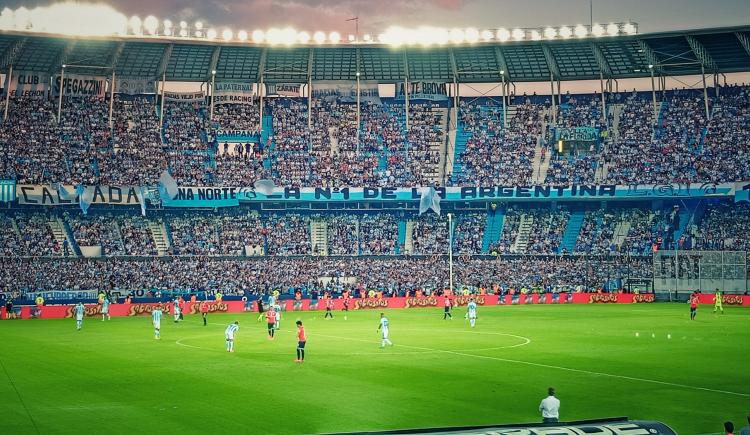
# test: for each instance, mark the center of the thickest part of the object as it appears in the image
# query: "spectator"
(550, 407)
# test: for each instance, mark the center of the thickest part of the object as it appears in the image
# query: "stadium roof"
(721, 50)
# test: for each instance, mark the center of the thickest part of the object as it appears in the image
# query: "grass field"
(114, 377)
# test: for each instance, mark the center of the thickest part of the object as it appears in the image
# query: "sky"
(377, 15)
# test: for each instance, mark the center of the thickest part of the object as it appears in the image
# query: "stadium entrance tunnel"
(609, 426)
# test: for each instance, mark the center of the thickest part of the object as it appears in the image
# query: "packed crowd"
(392, 276)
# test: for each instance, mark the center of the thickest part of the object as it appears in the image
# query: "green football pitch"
(641, 361)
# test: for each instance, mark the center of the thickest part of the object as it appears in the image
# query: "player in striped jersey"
(471, 312)
(105, 309)
(79, 311)
(229, 335)
(156, 320)
(383, 327)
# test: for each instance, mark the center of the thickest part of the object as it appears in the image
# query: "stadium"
(461, 222)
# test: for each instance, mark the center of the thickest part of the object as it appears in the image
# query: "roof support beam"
(604, 67)
(551, 62)
(744, 40)
(62, 57)
(262, 66)
(648, 52)
(214, 62)
(10, 55)
(500, 56)
(116, 55)
(702, 54)
(164, 63)
(454, 65)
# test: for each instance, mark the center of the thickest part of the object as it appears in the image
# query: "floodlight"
(151, 24)
(211, 34)
(168, 24)
(199, 25)
(135, 25)
(334, 37)
(581, 31)
(487, 35)
(536, 35)
(629, 28)
(319, 37)
(351, 38)
(612, 29)
(242, 35)
(303, 37)
(259, 36)
(518, 34)
(457, 36)
(550, 33)
(566, 32)
(503, 35)
(597, 30)
(183, 33)
(183, 25)
(227, 34)
(367, 37)
(472, 35)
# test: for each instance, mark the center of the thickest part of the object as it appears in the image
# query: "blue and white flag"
(265, 187)
(429, 200)
(85, 197)
(64, 193)
(167, 185)
(142, 199)
(7, 190)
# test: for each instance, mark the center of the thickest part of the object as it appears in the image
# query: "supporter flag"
(167, 185)
(7, 190)
(64, 193)
(429, 200)
(142, 199)
(85, 197)
(264, 186)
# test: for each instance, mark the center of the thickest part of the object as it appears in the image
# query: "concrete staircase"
(319, 236)
(540, 165)
(570, 237)
(442, 146)
(401, 236)
(450, 143)
(61, 236)
(493, 229)
(159, 234)
(616, 111)
(524, 232)
(333, 137)
(409, 238)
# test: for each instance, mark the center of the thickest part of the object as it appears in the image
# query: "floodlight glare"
(211, 34)
(487, 35)
(168, 24)
(597, 30)
(168, 32)
(566, 32)
(581, 31)
(334, 37)
(367, 37)
(612, 29)
(199, 25)
(259, 36)
(629, 28)
(319, 37)
(550, 33)
(518, 34)
(183, 33)
(536, 35)
(135, 25)
(457, 36)
(183, 24)
(242, 35)
(151, 24)
(303, 37)
(198, 34)
(227, 34)
(503, 35)
(351, 38)
(288, 36)
(472, 35)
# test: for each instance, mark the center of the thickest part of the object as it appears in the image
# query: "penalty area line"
(569, 369)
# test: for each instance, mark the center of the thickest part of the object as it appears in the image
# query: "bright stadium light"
(288, 36)
(487, 35)
(242, 35)
(550, 33)
(457, 36)
(629, 29)
(334, 37)
(168, 32)
(351, 38)
(597, 30)
(613, 29)
(199, 25)
(151, 24)
(303, 37)
(22, 18)
(227, 34)
(259, 36)
(472, 35)
(518, 34)
(183, 33)
(367, 37)
(581, 31)
(566, 32)
(6, 19)
(198, 33)
(319, 37)
(183, 24)
(135, 25)
(168, 24)
(503, 35)
(536, 35)
(211, 33)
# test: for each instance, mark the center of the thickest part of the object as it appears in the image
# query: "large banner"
(24, 84)
(577, 134)
(234, 93)
(228, 135)
(135, 86)
(185, 97)
(600, 427)
(76, 85)
(432, 91)
(29, 194)
(283, 89)
(189, 196)
(346, 91)
(729, 300)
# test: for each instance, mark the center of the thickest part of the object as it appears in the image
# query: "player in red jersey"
(329, 307)
(693, 305)
(204, 311)
(271, 317)
(301, 340)
(447, 313)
